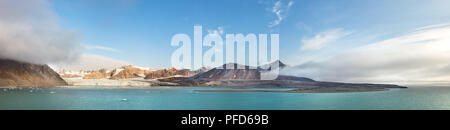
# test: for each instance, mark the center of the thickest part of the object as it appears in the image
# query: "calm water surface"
(187, 98)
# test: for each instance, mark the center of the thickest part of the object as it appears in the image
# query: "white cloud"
(323, 38)
(420, 56)
(91, 47)
(280, 10)
(29, 32)
(90, 62)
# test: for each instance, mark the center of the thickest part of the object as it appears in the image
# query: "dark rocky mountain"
(230, 73)
(237, 72)
(250, 78)
(20, 74)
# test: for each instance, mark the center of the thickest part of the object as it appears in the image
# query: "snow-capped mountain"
(127, 72)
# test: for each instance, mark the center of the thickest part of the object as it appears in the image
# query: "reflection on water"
(187, 98)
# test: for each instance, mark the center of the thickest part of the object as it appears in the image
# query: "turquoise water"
(188, 99)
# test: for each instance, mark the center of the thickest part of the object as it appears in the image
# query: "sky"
(322, 39)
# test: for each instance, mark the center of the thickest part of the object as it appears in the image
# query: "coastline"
(301, 90)
(224, 89)
(228, 86)
(219, 89)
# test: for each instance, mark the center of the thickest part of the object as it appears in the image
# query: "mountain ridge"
(242, 77)
(250, 78)
(21, 74)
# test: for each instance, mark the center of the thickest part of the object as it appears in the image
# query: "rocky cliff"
(225, 73)
(20, 74)
(100, 74)
(163, 73)
(247, 77)
(233, 71)
(124, 72)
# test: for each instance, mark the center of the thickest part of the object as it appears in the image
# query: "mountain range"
(127, 72)
(14, 73)
(250, 78)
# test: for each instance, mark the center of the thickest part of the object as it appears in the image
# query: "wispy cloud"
(91, 47)
(323, 39)
(280, 10)
(420, 56)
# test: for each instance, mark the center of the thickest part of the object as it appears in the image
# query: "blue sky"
(345, 40)
(141, 29)
(401, 41)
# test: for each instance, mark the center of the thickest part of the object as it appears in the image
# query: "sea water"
(187, 98)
